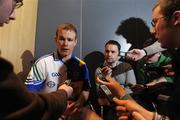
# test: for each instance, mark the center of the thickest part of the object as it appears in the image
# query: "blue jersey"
(50, 71)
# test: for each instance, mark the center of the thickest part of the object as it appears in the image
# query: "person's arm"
(137, 111)
(113, 85)
(154, 48)
(131, 106)
(157, 81)
(29, 105)
(85, 88)
(169, 70)
(56, 102)
(137, 54)
(125, 103)
(106, 71)
(82, 99)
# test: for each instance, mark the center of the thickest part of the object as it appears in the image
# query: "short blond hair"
(66, 26)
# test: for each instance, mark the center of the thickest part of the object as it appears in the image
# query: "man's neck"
(66, 58)
(111, 64)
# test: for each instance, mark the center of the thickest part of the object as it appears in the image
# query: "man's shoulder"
(5, 68)
(5, 64)
(79, 61)
(47, 57)
(125, 64)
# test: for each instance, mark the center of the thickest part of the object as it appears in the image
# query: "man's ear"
(176, 18)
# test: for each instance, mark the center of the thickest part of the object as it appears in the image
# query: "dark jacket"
(174, 101)
(16, 103)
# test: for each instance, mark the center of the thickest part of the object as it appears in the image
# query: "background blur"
(32, 34)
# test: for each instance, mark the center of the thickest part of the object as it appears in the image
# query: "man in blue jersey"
(52, 70)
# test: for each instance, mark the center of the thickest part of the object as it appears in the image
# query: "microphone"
(105, 90)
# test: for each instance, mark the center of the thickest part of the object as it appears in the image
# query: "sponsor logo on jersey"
(55, 74)
(51, 84)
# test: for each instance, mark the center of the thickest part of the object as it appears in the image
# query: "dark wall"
(50, 14)
(96, 20)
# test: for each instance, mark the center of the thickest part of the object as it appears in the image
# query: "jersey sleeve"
(36, 77)
(85, 73)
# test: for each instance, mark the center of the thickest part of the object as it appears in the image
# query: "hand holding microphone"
(106, 71)
(67, 88)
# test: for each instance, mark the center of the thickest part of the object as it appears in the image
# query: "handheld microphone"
(107, 92)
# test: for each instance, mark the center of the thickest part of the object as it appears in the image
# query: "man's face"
(163, 29)
(111, 53)
(7, 11)
(66, 41)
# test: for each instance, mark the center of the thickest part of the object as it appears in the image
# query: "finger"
(106, 70)
(102, 81)
(123, 114)
(137, 116)
(167, 66)
(75, 110)
(130, 51)
(77, 105)
(98, 80)
(121, 109)
(123, 117)
(170, 73)
(129, 56)
(71, 105)
(118, 101)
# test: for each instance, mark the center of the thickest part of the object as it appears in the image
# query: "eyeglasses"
(18, 3)
(154, 21)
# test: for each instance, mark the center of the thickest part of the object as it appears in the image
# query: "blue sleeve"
(35, 80)
(86, 85)
(35, 88)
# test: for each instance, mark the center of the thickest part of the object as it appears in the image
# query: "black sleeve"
(5, 68)
(55, 103)
(17, 103)
(174, 100)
